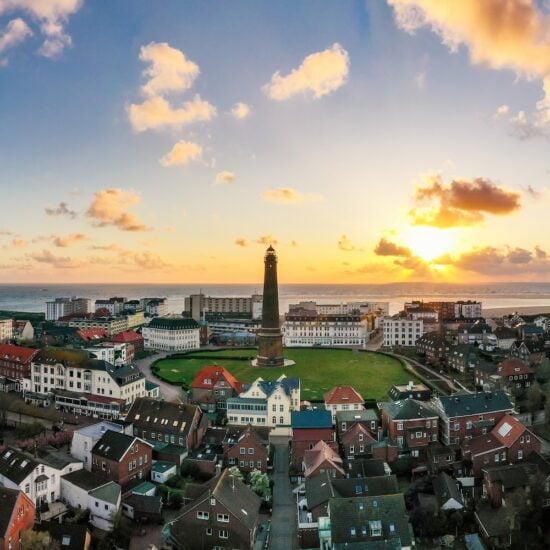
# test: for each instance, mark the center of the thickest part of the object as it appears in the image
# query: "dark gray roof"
(84, 479)
(446, 488)
(15, 465)
(8, 499)
(70, 536)
(144, 503)
(173, 323)
(494, 521)
(311, 419)
(113, 445)
(465, 404)
(512, 475)
(366, 467)
(365, 415)
(57, 459)
(407, 409)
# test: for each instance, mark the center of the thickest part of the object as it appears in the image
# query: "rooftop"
(465, 404)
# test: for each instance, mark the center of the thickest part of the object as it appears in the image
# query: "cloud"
(287, 195)
(225, 177)
(532, 192)
(169, 69)
(420, 80)
(149, 261)
(109, 207)
(241, 241)
(62, 209)
(64, 241)
(18, 242)
(15, 32)
(319, 74)
(156, 113)
(501, 34)
(182, 154)
(501, 112)
(59, 262)
(266, 239)
(388, 248)
(294, 243)
(540, 253)
(240, 111)
(52, 16)
(462, 202)
(107, 247)
(4, 231)
(346, 245)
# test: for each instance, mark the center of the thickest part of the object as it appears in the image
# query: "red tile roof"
(321, 454)
(514, 366)
(17, 354)
(313, 434)
(210, 375)
(355, 430)
(481, 444)
(91, 334)
(127, 336)
(508, 430)
(343, 394)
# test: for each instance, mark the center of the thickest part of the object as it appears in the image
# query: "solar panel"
(505, 429)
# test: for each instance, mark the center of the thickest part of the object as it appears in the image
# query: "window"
(352, 531)
(209, 531)
(520, 454)
(223, 518)
(259, 464)
(418, 434)
(223, 534)
(202, 515)
(399, 426)
(351, 449)
(242, 450)
(281, 420)
(251, 451)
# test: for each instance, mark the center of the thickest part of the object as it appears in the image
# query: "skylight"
(505, 429)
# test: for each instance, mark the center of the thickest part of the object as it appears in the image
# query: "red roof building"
(17, 514)
(92, 334)
(15, 361)
(357, 441)
(322, 458)
(515, 373)
(343, 398)
(129, 337)
(212, 386)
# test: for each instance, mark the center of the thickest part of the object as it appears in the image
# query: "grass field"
(370, 373)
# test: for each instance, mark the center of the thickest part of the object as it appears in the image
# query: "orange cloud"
(287, 195)
(266, 239)
(109, 207)
(241, 241)
(63, 241)
(388, 248)
(225, 177)
(182, 154)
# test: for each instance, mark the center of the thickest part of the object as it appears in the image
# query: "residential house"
(515, 374)
(15, 361)
(412, 424)
(248, 452)
(466, 415)
(22, 330)
(122, 458)
(224, 513)
(162, 471)
(343, 398)
(308, 428)
(479, 333)
(499, 527)
(419, 391)
(152, 390)
(462, 358)
(16, 516)
(265, 403)
(86, 490)
(530, 351)
(485, 376)
(6, 330)
(447, 492)
(367, 418)
(212, 386)
(356, 442)
(130, 337)
(163, 423)
(364, 522)
(143, 508)
(433, 346)
(67, 536)
(530, 331)
(322, 458)
(506, 336)
(441, 458)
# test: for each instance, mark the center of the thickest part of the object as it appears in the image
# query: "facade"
(17, 514)
(171, 333)
(433, 346)
(155, 307)
(162, 471)
(212, 386)
(531, 352)
(113, 353)
(114, 306)
(343, 398)
(462, 358)
(331, 330)
(515, 374)
(265, 403)
(129, 337)
(248, 452)
(347, 419)
(15, 361)
(111, 325)
(200, 307)
(468, 415)
(6, 330)
(23, 330)
(420, 392)
(357, 441)
(308, 428)
(61, 307)
(401, 331)
(468, 309)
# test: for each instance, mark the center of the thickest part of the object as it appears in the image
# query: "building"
(322, 458)
(343, 398)
(113, 353)
(433, 346)
(468, 309)
(530, 351)
(515, 374)
(61, 307)
(505, 336)
(447, 492)
(212, 386)
(171, 333)
(162, 471)
(401, 331)
(6, 330)
(265, 403)
(86, 437)
(200, 307)
(155, 307)
(15, 361)
(347, 419)
(17, 515)
(356, 441)
(412, 424)
(223, 514)
(22, 330)
(86, 490)
(122, 458)
(308, 428)
(419, 391)
(130, 337)
(270, 338)
(111, 325)
(114, 306)
(350, 308)
(162, 423)
(248, 452)
(462, 358)
(466, 415)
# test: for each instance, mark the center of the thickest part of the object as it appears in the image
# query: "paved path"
(283, 521)
(375, 343)
(170, 392)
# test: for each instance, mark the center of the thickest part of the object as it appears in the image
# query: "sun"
(430, 242)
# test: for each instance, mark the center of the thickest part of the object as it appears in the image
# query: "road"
(429, 373)
(283, 521)
(170, 392)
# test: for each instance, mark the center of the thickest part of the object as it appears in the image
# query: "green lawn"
(370, 373)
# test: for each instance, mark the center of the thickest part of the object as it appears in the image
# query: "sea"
(33, 297)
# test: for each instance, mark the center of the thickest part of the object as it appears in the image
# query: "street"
(170, 392)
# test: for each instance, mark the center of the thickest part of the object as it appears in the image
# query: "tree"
(236, 473)
(534, 398)
(259, 483)
(38, 540)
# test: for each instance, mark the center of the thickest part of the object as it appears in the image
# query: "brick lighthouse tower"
(270, 338)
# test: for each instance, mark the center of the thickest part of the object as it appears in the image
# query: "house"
(419, 391)
(22, 330)
(212, 386)
(322, 458)
(347, 419)
(433, 346)
(67, 536)
(479, 333)
(265, 403)
(485, 376)
(515, 374)
(83, 489)
(509, 442)
(6, 330)
(248, 452)
(15, 361)
(86, 437)
(367, 467)
(224, 513)
(162, 471)
(357, 441)
(530, 351)
(204, 459)
(130, 337)
(92, 335)
(447, 493)
(143, 508)
(440, 457)
(411, 424)
(163, 423)
(499, 527)
(530, 331)
(462, 358)
(364, 522)
(122, 458)
(308, 428)
(470, 414)
(506, 336)
(152, 390)
(343, 398)
(16, 516)
(171, 333)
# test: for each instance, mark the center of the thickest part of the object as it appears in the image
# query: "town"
(125, 425)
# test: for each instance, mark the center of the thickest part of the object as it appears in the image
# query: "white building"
(401, 331)
(325, 330)
(85, 490)
(265, 403)
(468, 309)
(112, 352)
(155, 307)
(198, 306)
(60, 307)
(172, 333)
(354, 308)
(6, 330)
(85, 438)
(113, 305)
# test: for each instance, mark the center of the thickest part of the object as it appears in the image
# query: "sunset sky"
(368, 141)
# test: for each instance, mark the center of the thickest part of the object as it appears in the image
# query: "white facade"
(198, 304)
(400, 331)
(171, 334)
(6, 330)
(112, 352)
(325, 330)
(351, 307)
(468, 310)
(113, 305)
(155, 307)
(60, 307)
